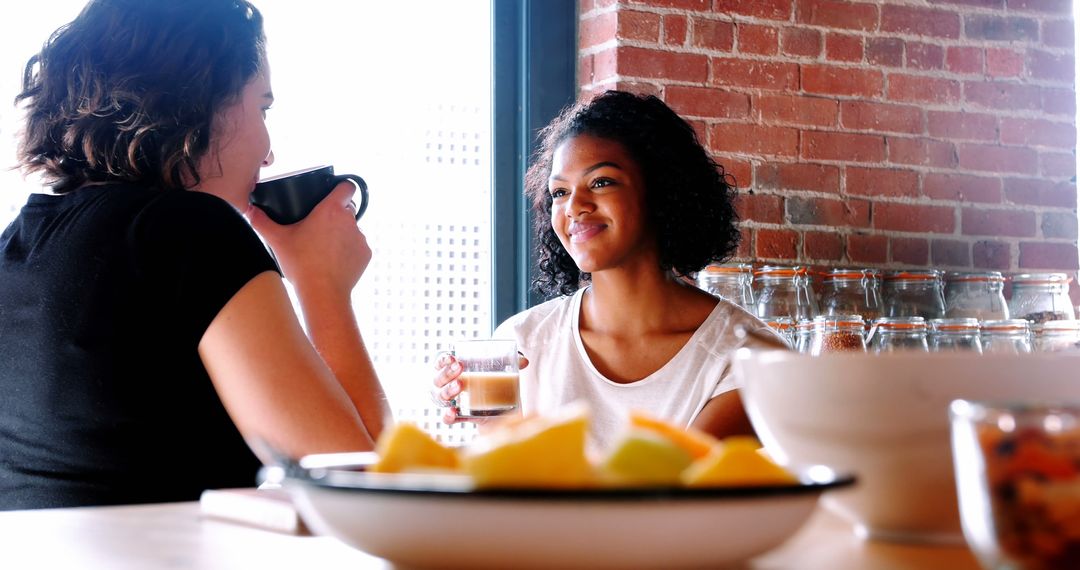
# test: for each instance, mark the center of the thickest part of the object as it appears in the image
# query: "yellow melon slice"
(536, 452)
(695, 442)
(643, 457)
(736, 462)
(405, 447)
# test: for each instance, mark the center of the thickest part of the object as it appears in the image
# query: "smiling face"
(239, 145)
(598, 205)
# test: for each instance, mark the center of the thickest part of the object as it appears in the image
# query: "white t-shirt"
(560, 371)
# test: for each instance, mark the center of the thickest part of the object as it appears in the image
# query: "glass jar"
(851, 292)
(784, 292)
(804, 330)
(976, 295)
(1057, 336)
(1041, 297)
(957, 334)
(837, 333)
(1010, 336)
(891, 334)
(734, 282)
(785, 327)
(914, 293)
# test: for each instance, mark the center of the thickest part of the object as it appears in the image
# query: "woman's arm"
(724, 415)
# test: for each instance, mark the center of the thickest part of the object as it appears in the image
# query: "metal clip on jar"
(914, 293)
(1010, 336)
(784, 292)
(804, 330)
(1057, 336)
(1041, 297)
(734, 282)
(976, 295)
(851, 292)
(955, 335)
(785, 327)
(837, 333)
(890, 334)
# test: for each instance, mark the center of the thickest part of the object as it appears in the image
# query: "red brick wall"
(886, 133)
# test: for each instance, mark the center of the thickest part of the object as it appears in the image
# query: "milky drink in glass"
(489, 377)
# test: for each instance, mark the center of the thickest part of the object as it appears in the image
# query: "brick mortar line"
(917, 201)
(929, 236)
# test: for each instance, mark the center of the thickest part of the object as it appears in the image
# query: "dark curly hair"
(688, 195)
(128, 91)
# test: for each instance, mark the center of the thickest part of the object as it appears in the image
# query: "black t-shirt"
(105, 293)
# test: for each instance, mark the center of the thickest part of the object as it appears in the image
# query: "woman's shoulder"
(539, 320)
(719, 330)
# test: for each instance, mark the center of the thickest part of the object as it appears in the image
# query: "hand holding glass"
(489, 377)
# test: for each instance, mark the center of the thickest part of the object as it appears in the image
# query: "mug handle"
(361, 185)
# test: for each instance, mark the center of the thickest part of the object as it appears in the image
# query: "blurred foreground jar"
(785, 327)
(734, 282)
(976, 295)
(784, 292)
(804, 330)
(914, 293)
(1010, 336)
(1057, 336)
(891, 334)
(851, 292)
(954, 335)
(1041, 297)
(837, 333)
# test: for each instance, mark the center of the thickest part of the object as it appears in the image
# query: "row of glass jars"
(840, 333)
(780, 291)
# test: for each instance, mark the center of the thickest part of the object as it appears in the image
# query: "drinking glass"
(489, 377)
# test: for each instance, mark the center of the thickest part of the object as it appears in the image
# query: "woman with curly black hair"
(628, 203)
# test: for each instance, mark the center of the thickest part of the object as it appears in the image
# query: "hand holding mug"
(289, 198)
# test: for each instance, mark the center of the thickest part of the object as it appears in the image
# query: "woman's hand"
(448, 387)
(324, 250)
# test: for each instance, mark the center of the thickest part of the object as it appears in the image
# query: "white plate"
(432, 521)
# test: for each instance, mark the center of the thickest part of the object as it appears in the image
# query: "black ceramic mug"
(288, 198)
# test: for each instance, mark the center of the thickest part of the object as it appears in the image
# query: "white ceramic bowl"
(885, 419)
(431, 521)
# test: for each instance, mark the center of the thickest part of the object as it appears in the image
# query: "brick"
(754, 139)
(767, 9)
(712, 34)
(924, 56)
(836, 14)
(867, 116)
(798, 176)
(887, 52)
(746, 244)
(675, 30)
(707, 102)
(1004, 62)
(765, 208)
(1012, 223)
(879, 182)
(848, 147)
(742, 171)
(642, 62)
(605, 65)
(909, 251)
(828, 212)
(1004, 96)
(809, 111)
(825, 246)
(843, 47)
(919, 21)
(1057, 165)
(1050, 6)
(921, 89)
(921, 152)
(695, 5)
(1055, 256)
(832, 80)
(963, 188)
(962, 126)
(754, 73)
(762, 40)
(913, 217)
(596, 30)
(866, 248)
(1037, 132)
(775, 244)
(1051, 66)
(1059, 225)
(643, 88)
(586, 6)
(991, 158)
(950, 253)
(1001, 29)
(1058, 102)
(1040, 192)
(804, 42)
(960, 59)
(640, 26)
(978, 3)
(1058, 33)
(991, 255)
(585, 70)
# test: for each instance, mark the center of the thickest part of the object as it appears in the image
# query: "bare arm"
(723, 416)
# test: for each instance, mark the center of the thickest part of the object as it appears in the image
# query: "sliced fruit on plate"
(536, 452)
(695, 442)
(405, 447)
(736, 462)
(644, 457)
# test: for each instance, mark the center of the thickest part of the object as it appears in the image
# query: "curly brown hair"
(128, 91)
(688, 195)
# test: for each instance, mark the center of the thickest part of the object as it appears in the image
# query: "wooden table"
(175, 537)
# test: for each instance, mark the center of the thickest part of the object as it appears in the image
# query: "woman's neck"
(638, 301)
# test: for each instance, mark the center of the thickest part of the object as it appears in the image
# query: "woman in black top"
(145, 331)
